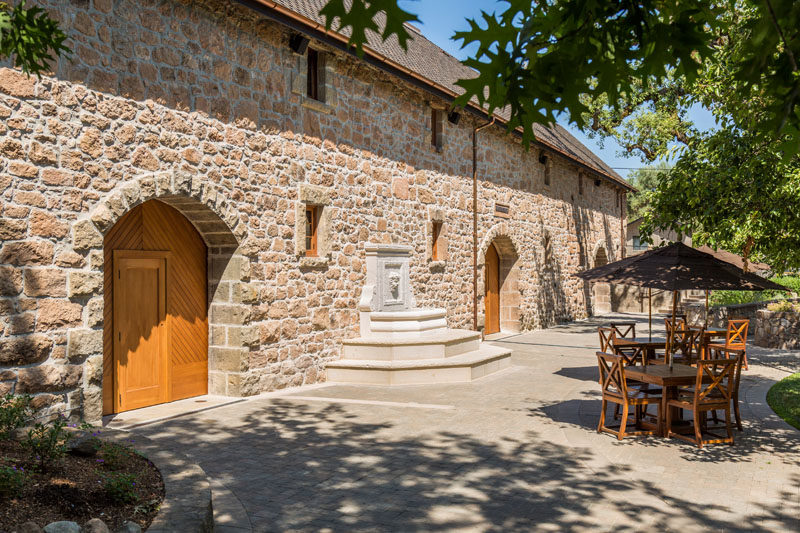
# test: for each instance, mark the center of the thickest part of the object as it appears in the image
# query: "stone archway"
(601, 292)
(508, 274)
(229, 291)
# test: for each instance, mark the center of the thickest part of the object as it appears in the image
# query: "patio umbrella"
(677, 267)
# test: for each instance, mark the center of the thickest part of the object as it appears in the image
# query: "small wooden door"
(140, 324)
(492, 291)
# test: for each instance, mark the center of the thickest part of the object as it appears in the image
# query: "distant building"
(634, 245)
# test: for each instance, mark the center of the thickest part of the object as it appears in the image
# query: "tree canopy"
(30, 37)
(542, 60)
(634, 71)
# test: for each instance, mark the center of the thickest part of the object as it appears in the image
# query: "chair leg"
(728, 425)
(602, 416)
(623, 422)
(736, 413)
(698, 434)
(744, 360)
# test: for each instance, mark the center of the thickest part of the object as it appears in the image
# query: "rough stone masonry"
(202, 105)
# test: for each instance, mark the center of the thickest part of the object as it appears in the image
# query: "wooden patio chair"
(739, 355)
(606, 336)
(686, 344)
(624, 330)
(716, 395)
(736, 339)
(615, 389)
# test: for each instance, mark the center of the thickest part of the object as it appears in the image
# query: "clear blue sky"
(441, 18)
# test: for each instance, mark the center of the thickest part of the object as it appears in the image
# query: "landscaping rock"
(83, 444)
(95, 525)
(28, 527)
(130, 527)
(62, 527)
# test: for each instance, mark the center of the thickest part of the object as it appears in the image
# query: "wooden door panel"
(140, 329)
(167, 229)
(492, 297)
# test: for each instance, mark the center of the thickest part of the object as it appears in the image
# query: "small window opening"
(312, 221)
(435, 244)
(436, 128)
(313, 78)
(547, 173)
(548, 250)
(502, 210)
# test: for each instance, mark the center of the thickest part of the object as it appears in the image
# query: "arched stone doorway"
(501, 295)
(156, 309)
(601, 292)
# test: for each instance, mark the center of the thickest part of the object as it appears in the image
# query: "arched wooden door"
(492, 297)
(155, 335)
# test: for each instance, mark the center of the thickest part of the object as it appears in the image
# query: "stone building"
(234, 171)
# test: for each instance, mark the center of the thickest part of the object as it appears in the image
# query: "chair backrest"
(687, 341)
(632, 354)
(624, 330)
(721, 376)
(737, 333)
(612, 374)
(606, 338)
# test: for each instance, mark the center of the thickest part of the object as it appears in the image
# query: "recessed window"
(314, 75)
(435, 238)
(548, 250)
(638, 245)
(312, 222)
(436, 128)
(502, 210)
(547, 172)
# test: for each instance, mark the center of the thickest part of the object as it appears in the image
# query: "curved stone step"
(435, 345)
(459, 368)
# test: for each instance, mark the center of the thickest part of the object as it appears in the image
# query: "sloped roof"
(441, 69)
(734, 259)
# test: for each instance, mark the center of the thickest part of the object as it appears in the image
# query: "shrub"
(14, 412)
(113, 455)
(746, 297)
(47, 443)
(121, 487)
(12, 480)
(784, 306)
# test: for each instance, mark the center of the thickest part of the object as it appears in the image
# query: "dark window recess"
(547, 173)
(312, 221)
(435, 245)
(502, 209)
(548, 250)
(436, 128)
(312, 76)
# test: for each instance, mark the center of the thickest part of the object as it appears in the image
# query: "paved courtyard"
(516, 451)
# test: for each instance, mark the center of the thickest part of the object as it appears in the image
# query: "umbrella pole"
(671, 328)
(706, 327)
(650, 310)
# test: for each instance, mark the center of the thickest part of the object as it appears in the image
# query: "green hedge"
(746, 297)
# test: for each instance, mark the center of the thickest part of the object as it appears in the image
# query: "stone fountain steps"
(433, 345)
(457, 368)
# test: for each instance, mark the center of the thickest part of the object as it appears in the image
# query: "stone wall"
(775, 329)
(195, 103)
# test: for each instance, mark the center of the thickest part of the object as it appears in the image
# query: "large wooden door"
(154, 227)
(492, 297)
(141, 334)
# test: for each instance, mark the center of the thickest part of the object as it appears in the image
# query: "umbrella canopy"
(678, 267)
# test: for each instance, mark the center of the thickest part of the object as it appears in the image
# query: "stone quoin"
(286, 165)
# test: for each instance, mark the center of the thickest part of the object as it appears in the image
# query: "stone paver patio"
(514, 451)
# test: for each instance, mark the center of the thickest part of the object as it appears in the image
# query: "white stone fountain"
(403, 344)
